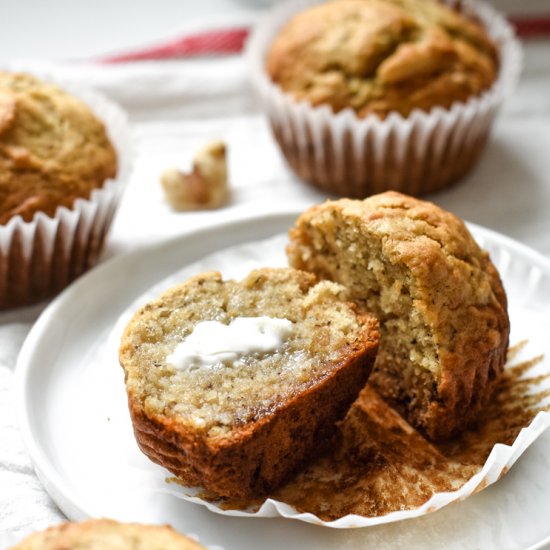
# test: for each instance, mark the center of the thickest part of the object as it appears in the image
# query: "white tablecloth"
(178, 106)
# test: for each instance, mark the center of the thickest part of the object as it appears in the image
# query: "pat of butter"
(213, 343)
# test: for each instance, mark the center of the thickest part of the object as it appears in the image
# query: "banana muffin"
(233, 385)
(53, 149)
(382, 56)
(63, 164)
(439, 300)
(107, 534)
(365, 96)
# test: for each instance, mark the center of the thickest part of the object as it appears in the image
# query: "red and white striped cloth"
(231, 41)
(212, 42)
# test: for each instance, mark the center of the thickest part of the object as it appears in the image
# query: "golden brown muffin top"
(379, 56)
(106, 534)
(53, 149)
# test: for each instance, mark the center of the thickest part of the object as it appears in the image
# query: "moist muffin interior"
(215, 400)
(438, 298)
(408, 352)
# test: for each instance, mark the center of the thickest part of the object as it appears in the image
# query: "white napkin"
(24, 505)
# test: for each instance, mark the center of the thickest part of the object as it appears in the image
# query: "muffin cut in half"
(240, 427)
(439, 300)
(107, 534)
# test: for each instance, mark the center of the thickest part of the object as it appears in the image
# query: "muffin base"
(356, 172)
(37, 264)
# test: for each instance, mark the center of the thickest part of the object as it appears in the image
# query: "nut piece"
(205, 187)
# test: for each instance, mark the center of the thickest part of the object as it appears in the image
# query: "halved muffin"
(439, 300)
(226, 411)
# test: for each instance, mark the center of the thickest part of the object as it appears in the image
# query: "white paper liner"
(356, 157)
(41, 256)
(530, 319)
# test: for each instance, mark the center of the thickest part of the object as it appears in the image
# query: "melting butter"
(212, 343)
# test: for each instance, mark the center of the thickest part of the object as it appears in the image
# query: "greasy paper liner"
(237, 261)
(38, 258)
(347, 155)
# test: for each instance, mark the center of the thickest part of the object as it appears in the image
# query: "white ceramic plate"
(76, 426)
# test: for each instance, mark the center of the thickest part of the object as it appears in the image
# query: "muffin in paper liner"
(528, 371)
(38, 258)
(344, 154)
(87, 532)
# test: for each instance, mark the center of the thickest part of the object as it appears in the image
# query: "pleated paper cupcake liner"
(356, 157)
(38, 258)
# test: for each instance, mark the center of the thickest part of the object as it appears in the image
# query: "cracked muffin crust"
(53, 149)
(239, 430)
(438, 298)
(382, 56)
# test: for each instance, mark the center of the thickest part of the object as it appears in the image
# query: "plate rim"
(58, 488)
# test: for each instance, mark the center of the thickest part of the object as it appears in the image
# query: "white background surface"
(177, 106)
